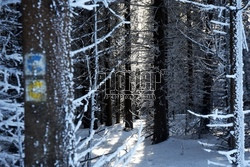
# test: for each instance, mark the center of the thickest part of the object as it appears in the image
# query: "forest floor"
(183, 151)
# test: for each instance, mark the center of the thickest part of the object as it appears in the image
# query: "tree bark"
(190, 64)
(108, 100)
(48, 85)
(127, 96)
(207, 82)
(161, 131)
(236, 96)
(108, 104)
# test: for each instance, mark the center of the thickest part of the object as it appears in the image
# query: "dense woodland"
(175, 64)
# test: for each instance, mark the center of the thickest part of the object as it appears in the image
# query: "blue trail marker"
(34, 64)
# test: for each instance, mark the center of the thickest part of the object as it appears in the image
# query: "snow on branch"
(219, 23)
(11, 157)
(220, 125)
(208, 50)
(207, 7)
(100, 40)
(246, 112)
(11, 123)
(216, 163)
(11, 110)
(219, 32)
(229, 154)
(88, 6)
(215, 115)
(15, 56)
(80, 155)
(244, 38)
(206, 144)
(7, 2)
(117, 15)
(86, 141)
(105, 2)
(10, 106)
(78, 102)
(231, 76)
(246, 6)
(82, 4)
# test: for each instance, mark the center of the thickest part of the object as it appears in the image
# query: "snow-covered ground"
(175, 152)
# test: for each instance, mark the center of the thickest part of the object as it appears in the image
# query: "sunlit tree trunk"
(48, 82)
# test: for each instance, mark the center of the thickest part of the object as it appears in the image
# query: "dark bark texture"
(46, 31)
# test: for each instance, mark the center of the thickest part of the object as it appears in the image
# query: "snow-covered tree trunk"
(48, 83)
(236, 54)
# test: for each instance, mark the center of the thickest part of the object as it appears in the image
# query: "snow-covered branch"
(220, 125)
(8, 2)
(246, 6)
(82, 154)
(207, 7)
(229, 154)
(206, 50)
(215, 115)
(100, 40)
(86, 3)
(246, 112)
(78, 102)
(206, 144)
(11, 111)
(82, 4)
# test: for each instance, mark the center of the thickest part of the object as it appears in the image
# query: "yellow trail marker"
(36, 90)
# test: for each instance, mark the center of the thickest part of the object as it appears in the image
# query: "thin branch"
(208, 7)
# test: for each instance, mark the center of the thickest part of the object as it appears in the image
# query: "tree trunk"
(48, 82)
(127, 95)
(108, 104)
(190, 63)
(161, 131)
(190, 70)
(108, 100)
(207, 83)
(206, 108)
(236, 99)
(118, 99)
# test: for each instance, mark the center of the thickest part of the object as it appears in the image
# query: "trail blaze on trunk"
(48, 82)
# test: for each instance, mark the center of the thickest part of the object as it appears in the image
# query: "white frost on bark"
(239, 115)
